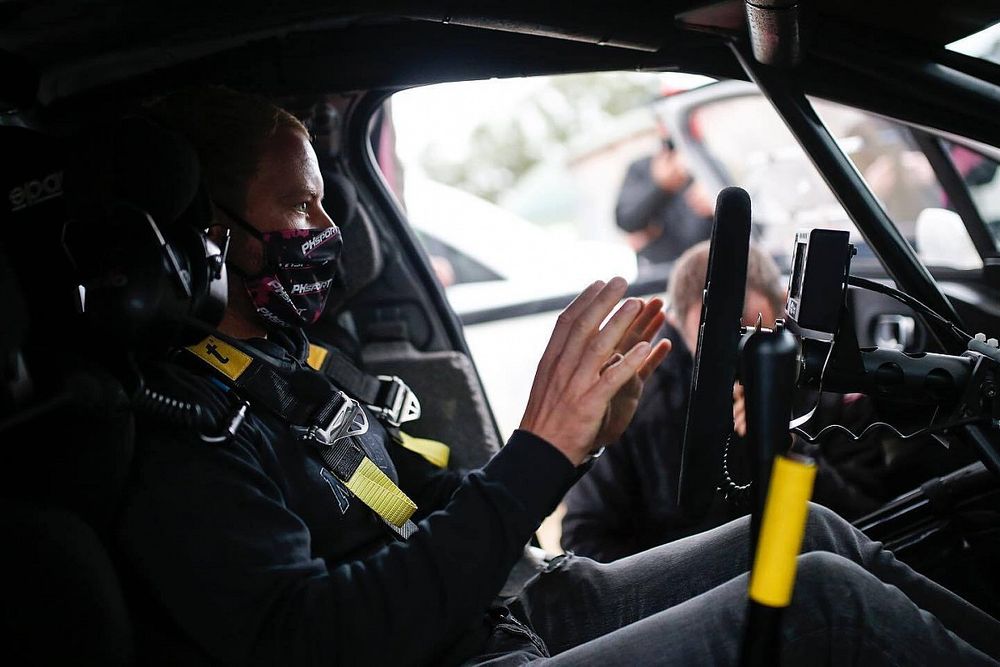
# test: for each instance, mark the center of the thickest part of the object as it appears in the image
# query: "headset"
(147, 273)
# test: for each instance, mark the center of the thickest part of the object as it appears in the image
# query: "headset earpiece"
(150, 275)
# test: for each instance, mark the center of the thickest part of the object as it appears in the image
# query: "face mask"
(299, 264)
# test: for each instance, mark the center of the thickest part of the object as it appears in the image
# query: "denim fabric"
(684, 604)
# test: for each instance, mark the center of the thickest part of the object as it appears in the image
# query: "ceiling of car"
(63, 50)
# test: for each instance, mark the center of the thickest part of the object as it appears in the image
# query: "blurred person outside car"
(661, 207)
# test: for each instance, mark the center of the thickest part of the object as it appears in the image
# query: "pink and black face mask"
(299, 265)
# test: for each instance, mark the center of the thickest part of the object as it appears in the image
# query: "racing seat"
(453, 405)
(65, 419)
(67, 443)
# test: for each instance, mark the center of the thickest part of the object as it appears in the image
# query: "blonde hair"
(228, 130)
(687, 280)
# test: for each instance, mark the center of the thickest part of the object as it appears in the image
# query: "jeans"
(684, 603)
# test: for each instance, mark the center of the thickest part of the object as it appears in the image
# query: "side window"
(982, 177)
(523, 191)
(452, 266)
(887, 157)
(745, 143)
(759, 154)
(512, 188)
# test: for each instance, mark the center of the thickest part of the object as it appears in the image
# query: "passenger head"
(264, 180)
(764, 294)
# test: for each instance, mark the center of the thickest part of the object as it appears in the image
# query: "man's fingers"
(569, 315)
(601, 346)
(564, 324)
(645, 325)
(616, 375)
(739, 411)
(655, 358)
(584, 333)
(604, 301)
(574, 327)
(615, 358)
(654, 326)
(582, 301)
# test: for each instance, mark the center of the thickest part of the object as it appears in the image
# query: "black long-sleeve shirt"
(261, 556)
(642, 204)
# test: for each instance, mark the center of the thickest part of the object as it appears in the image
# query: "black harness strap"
(392, 401)
(358, 384)
(328, 419)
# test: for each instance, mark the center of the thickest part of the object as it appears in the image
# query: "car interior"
(102, 266)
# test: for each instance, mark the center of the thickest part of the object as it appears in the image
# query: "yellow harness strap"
(375, 489)
(317, 355)
(437, 453)
(367, 482)
(781, 531)
(222, 356)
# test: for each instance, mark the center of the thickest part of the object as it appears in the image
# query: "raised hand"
(579, 373)
(623, 404)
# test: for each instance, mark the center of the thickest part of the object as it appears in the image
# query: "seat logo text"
(36, 191)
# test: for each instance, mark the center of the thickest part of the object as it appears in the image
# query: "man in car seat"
(259, 551)
(627, 503)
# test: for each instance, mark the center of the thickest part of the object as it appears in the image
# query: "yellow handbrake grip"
(781, 532)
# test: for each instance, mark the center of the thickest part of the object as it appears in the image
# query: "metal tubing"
(851, 190)
(775, 31)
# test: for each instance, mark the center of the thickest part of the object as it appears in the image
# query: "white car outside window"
(513, 262)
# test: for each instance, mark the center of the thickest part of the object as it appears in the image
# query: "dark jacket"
(642, 204)
(260, 556)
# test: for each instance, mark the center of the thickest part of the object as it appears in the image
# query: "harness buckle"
(400, 405)
(349, 420)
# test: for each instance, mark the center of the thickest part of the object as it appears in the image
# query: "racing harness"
(329, 419)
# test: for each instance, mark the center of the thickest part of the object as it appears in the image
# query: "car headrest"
(361, 259)
(341, 199)
(137, 161)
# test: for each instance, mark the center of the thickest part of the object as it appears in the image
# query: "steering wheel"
(710, 403)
